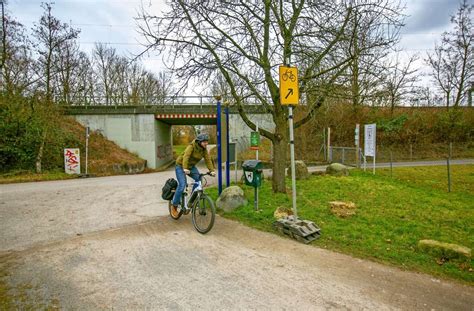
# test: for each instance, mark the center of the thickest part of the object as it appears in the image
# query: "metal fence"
(345, 155)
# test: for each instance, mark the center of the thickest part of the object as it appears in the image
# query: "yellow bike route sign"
(289, 91)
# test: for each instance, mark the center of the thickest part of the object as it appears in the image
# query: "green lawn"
(392, 215)
(462, 177)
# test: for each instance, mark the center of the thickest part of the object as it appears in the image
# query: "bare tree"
(103, 58)
(51, 36)
(374, 30)
(399, 81)
(245, 42)
(68, 60)
(85, 80)
(135, 78)
(452, 62)
(17, 60)
(156, 89)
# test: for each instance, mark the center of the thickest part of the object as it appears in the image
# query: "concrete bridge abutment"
(142, 134)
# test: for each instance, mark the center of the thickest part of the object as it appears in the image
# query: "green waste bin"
(253, 172)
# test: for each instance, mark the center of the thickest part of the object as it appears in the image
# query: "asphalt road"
(107, 243)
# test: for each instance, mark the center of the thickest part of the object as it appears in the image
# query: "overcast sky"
(112, 22)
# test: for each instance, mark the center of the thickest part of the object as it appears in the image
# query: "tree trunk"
(39, 156)
(280, 147)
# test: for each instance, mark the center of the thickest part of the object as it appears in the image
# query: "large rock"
(301, 171)
(337, 169)
(231, 198)
(444, 250)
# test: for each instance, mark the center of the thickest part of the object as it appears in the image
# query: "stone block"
(444, 250)
(231, 198)
(301, 170)
(337, 169)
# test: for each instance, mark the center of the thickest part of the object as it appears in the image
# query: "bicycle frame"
(198, 190)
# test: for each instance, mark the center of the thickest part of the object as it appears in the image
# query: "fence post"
(391, 164)
(449, 176)
(343, 154)
(329, 145)
(324, 145)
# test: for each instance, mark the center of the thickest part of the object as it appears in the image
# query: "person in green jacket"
(186, 165)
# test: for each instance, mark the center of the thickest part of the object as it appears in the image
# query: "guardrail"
(172, 104)
(173, 101)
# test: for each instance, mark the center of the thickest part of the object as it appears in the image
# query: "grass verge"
(392, 215)
(28, 176)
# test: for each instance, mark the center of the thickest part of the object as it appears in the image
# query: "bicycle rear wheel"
(203, 214)
(175, 214)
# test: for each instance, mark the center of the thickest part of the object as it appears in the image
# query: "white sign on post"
(370, 142)
(72, 161)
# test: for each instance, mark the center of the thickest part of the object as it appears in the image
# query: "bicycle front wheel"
(203, 214)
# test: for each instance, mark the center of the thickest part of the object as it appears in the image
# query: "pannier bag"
(168, 189)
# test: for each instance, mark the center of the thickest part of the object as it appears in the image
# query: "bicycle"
(201, 206)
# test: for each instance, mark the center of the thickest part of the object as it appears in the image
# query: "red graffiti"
(72, 161)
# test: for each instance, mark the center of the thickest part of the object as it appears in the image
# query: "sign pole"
(289, 95)
(87, 147)
(219, 147)
(375, 147)
(357, 143)
(292, 155)
(373, 165)
(256, 188)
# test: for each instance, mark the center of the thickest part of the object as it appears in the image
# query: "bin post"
(253, 177)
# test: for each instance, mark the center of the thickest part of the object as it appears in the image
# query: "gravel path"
(107, 243)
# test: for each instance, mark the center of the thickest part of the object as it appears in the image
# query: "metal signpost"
(289, 95)
(301, 230)
(219, 146)
(87, 148)
(370, 133)
(357, 143)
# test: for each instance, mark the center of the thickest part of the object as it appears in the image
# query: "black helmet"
(202, 137)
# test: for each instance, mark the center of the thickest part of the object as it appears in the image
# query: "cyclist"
(185, 164)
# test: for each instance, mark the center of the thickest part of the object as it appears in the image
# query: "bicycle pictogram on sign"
(288, 75)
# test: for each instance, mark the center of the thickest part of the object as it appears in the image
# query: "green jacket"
(192, 155)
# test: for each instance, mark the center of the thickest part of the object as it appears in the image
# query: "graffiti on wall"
(164, 151)
(72, 161)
